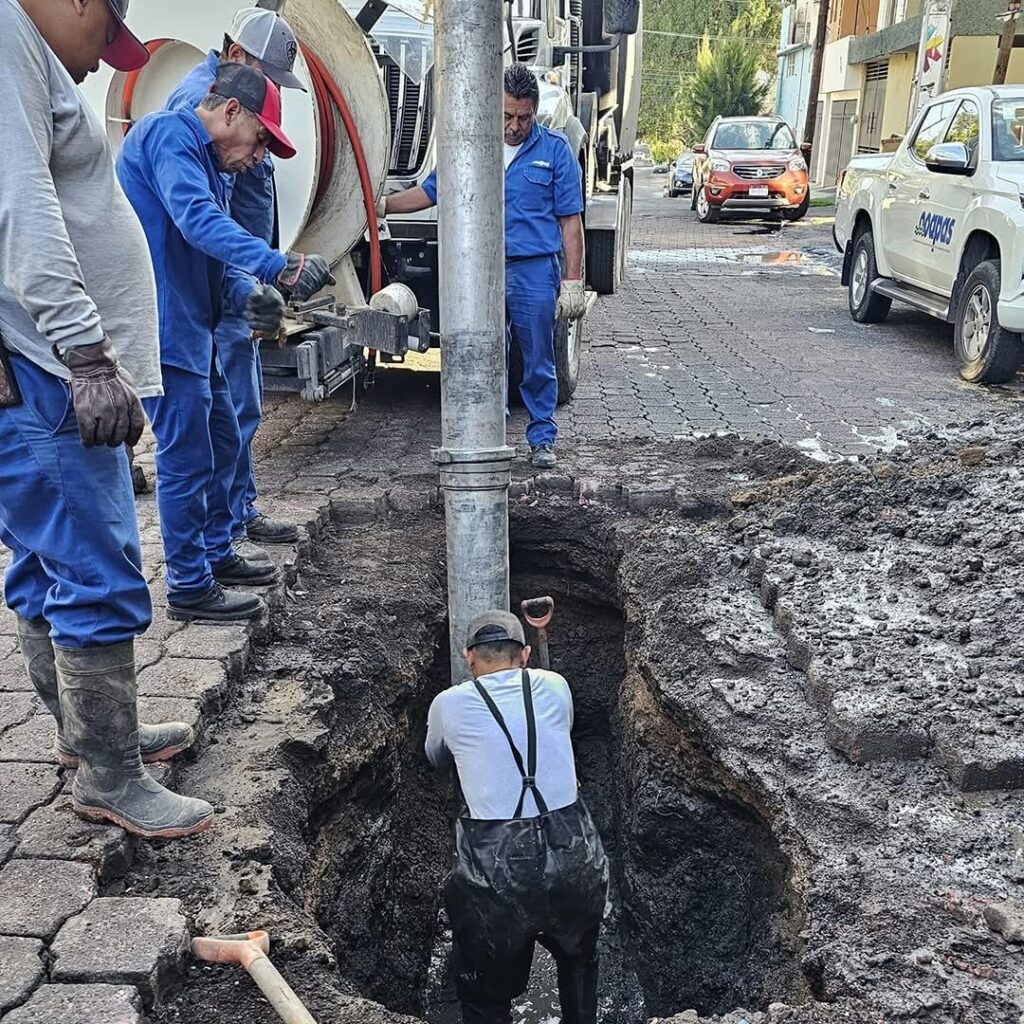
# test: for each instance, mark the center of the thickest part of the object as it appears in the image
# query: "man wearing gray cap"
(263, 40)
(529, 865)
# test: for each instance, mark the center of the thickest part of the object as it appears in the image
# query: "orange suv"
(750, 165)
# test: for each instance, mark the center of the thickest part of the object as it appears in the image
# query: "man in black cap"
(529, 862)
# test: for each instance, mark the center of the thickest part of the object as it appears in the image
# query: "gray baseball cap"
(269, 38)
(494, 626)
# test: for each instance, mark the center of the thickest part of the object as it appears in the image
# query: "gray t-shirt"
(74, 265)
(460, 727)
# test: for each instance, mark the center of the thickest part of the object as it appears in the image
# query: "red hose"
(324, 85)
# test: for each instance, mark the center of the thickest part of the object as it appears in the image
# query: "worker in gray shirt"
(529, 865)
(78, 345)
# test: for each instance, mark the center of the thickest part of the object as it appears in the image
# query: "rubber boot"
(156, 742)
(577, 988)
(98, 697)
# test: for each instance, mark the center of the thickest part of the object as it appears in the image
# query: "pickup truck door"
(946, 205)
(908, 184)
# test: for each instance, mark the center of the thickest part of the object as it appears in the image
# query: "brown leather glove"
(106, 405)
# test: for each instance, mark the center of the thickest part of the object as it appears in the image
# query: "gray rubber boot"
(98, 701)
(156, 742)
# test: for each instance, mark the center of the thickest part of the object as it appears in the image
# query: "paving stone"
(171, 709)
(79, 1004)
(13, 676)
(8, 841)
(56, 831)
(226, 643)
(20, 969)
(38, 896)
(16, 708)
(123, 940)
(30, 741)
(650, 496)
(203, 680)
(24, 787)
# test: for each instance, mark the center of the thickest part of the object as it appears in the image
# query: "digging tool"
(538, 611)
(250, 951)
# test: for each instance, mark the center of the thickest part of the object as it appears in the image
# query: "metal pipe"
(474, 460)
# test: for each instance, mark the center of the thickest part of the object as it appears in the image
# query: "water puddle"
(805, 262)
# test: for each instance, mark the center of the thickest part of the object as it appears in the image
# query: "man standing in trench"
(529, 865)
(543, 203)
(78, 341)
(262, 40)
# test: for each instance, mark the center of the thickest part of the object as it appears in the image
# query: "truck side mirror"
(699, 147)
(805, 148)
(949, 158)
(621, 17)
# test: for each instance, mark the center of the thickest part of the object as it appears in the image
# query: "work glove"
(304, 276)
(572, 301)
(103, 394)
(382, 207)
(264, 310)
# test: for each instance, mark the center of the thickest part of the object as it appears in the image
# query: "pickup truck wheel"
(987, 353)
(706, 213)
(865, 306)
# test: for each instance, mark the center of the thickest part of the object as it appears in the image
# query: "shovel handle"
(538, 611)
(231, 949)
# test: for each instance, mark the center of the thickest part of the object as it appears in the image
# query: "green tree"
(728, 81)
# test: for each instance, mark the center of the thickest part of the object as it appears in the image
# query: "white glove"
(572, 301)
(382, 207)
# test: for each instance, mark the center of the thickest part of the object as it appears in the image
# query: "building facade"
(796, 54)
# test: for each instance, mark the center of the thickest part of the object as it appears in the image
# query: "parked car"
(939, 225)
(750, 165)
(642, 155)
(660, 169)
(681, 181)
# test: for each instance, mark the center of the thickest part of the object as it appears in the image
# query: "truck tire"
(865, 306)
(986, 352)
(602, 261)
(568, 353)
(706, 213)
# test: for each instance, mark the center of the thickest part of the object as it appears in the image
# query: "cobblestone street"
(730, 328)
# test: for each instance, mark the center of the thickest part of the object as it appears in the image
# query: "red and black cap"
(125, 52)
(259, 96)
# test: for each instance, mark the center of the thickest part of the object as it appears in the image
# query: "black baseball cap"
(259, 96)
(493, 627)
(126, 52)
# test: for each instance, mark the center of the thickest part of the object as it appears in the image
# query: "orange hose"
(130, 81)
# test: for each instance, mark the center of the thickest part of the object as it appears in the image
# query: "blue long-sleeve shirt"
(251, 194)
(168, 168)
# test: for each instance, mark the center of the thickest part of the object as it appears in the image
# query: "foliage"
(726, 81)
(664, 152)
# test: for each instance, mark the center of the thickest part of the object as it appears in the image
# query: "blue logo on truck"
(935, 229)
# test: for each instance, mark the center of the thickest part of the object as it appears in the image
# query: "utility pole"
(820, 39)
(1009, 19)
(475, 463)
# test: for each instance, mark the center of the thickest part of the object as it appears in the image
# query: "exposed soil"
(787, 825)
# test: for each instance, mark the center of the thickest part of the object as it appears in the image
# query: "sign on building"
(932, 53)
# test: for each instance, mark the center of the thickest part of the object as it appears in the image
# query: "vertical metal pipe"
(473, 458)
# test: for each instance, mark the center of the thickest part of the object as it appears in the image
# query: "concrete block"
(171, 709)
(650, 496)
(20, 970)
(56, 831)
(553, 482)
(12, 675)
(16, 708)
(38, 896)
(121, 940)
(200, 679)
(32, 740)
(79, 1004)
(227, 644)
(24, 787)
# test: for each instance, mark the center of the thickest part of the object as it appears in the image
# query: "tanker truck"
(365, 125)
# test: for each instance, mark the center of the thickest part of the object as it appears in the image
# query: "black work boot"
(98, 699)
(237, 571)
(264, 530)
(542, 456)
(156, 742)
(216, 605)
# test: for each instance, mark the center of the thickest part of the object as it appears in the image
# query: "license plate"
(758, 191)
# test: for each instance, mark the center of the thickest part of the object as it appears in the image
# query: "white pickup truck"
(939, 225)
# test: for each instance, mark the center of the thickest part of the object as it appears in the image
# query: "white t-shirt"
(511, 152)
(460, 727)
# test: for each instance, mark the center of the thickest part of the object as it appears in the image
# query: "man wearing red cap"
(172, 167)
(79, 345)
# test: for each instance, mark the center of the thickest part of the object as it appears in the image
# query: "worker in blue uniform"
(263, 40)
(78, 347)
(543, 203)
(174, 168)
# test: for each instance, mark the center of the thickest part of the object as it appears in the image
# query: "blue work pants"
(198, 446)
(240, 358)
(68, 515)
(531, 293)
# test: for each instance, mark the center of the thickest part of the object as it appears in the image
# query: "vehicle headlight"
(720, 164)
(798, 163)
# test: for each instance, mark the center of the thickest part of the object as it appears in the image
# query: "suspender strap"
(529, 779)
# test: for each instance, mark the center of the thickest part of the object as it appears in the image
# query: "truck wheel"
(706, 213)
(987, 353)
(603, 261)
(865, 306)
(568, 351)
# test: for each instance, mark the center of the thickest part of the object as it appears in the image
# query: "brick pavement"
(710, 333)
